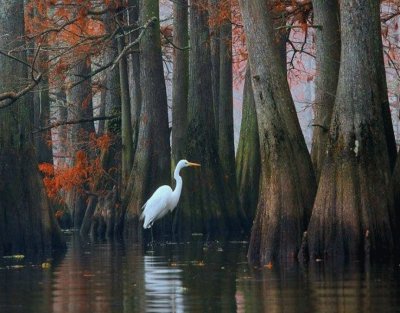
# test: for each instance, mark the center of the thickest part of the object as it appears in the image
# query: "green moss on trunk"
(354, 203)
(287, 180)
(248, 160)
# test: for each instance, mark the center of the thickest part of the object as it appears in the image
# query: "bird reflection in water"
(163, 284)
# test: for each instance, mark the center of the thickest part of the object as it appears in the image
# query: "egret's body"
(164, 199)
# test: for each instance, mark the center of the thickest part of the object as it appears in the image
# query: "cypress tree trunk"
(126, 126)
(383, 94)
(248, 160)
(79, 102)
(353, 208)
(205, 198)
(287, 181)
(27, 224)
(214, 31)
(180, 80)
(58, 113)
(41, 111)
(152, 161)
(111, 157)
(226, 146)
(134, 76)
(326, 17)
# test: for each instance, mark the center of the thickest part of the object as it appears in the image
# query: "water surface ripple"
(191, 277)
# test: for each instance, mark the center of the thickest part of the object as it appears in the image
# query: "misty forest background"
(291, 107)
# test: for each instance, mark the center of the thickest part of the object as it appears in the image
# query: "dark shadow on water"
(199, 276)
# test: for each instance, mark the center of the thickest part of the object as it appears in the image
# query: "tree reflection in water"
(192, 277)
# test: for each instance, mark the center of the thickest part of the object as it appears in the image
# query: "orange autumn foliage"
(102, 142)
(66, 178)
(76, 26)
(82, 175)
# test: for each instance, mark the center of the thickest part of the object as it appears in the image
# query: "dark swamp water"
(191, 277)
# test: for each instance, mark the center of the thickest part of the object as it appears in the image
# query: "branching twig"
(135, 42)
(54, 29)
(172, 43)
(12, 96)
(18, 60)
(80, 121)
(297, 26)
(124, 52)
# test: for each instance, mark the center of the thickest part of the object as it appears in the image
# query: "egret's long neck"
(178, 187)
(178, 179)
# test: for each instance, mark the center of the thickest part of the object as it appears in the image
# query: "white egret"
(164, 200)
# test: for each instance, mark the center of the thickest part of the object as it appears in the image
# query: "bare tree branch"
(80, 121)
(12, 96)
(18, 60)
(149, 23)
(124, 52)
(172, 43)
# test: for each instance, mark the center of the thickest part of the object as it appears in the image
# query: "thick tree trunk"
(248, 160)
(214, 9)
(79, 103)
(151, 166)
(226, 146)
(205, 200)
(287, 181)
(180, 80)
(353, 208)
(326, 17)
(27, 225)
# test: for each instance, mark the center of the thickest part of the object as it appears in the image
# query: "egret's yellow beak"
(194, 164)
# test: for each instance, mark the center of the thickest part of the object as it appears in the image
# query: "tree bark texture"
(152, 161)
(27, 225)
(110, 158)
(354, 201)
(326, 17)
(248, 160)
(205, 204)
(79, 105)
(287, 186)
(126, 126)
(226, 146)
(41, 111)
(214, 31)
(180, 80)
(134, 77)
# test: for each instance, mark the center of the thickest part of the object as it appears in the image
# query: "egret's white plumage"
(164, 200)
